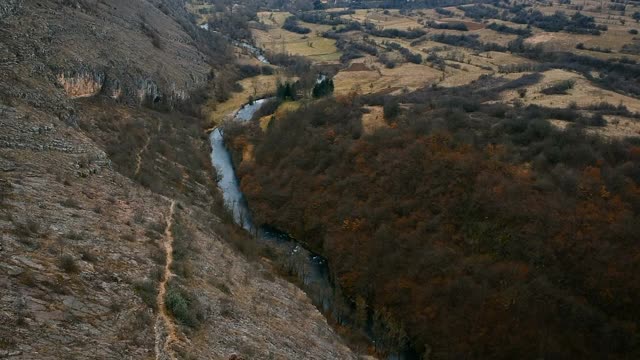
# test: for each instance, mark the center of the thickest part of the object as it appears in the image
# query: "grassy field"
(583, 93)
(378, 78)
(392, 20)
(283, 109)
(194, 7)
(278, 40)
(257, 87)
(373, 119)
(462, 65)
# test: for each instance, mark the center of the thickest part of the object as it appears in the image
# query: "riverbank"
(294, 261)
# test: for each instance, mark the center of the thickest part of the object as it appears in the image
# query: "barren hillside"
(99, 189)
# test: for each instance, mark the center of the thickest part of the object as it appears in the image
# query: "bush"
(74, 235)
(68, 264)
(502, 28)
(184, 307)
(70, 203)
(88, 256)
(444, 12)
(290, 24)
(559, 88)
(448, 26)
(391, 109)
(147, 291)
(30, 228)
(394, 33)
(323, 88)
(151, 34)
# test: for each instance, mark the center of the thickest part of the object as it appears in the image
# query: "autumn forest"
(461, 227)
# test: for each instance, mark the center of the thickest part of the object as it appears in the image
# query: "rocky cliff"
(9, 7)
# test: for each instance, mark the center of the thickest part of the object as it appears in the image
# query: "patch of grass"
(27, 278)
(88, 256)
(138, 218)
(128, 237)
(141, 321)
(147, 290)
(185, 307)
(157, 273)
(7, 343)
(67, 263)
(158, 256)
(115, 306)
(74, 235)
(222, 287)
(268, 275)
(29, 228)
(70, 203)
(559, 88)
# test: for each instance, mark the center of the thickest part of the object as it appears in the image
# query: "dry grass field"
(373, 120)
(583, 93)
(195, 7)
(461, 65)
(283, 109)
(278, 40)
(392, 20)
(378, 78)
(256, 87)
(617, 127)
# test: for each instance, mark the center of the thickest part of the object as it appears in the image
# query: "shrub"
(559, 88)
(444, 12)
(509, 30)
(74, 235)
(448, 26)
(290, 24)
(184, 307)
(391, 109)
(30, 228)
(146, 290)
(70, 203)
(151, 34)
(68, 264)
(88, 256)
(128, 237)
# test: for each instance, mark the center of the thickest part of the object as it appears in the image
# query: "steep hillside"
(114, 242)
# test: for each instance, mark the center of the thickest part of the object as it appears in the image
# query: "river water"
(255, 51)
(310, 268)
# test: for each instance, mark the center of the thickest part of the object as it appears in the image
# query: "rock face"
(83, 237)
(9, 7)
(83, 84)
(134, 51)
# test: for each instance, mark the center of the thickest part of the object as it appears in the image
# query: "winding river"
(310, 268)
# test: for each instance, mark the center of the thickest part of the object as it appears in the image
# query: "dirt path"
(139, 156)
(164, 327)
(143, 149)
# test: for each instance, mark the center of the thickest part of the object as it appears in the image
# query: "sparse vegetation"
(291, 24)
(186, 308)
(559, 88)
(147, 290)
(70, 203)
(151, 33)
(67, 263)
(27, 229)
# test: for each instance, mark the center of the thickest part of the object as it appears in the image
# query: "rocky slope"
(87, 179)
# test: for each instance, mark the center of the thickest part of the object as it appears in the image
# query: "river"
(255, 51)
(309, 267)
